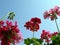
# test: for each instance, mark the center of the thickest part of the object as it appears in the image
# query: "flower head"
(9, 33)
(55, 34)
(33, 24)
(45, 35)
(1, 23)
(35, 20)
(52, 13)
(46, 15)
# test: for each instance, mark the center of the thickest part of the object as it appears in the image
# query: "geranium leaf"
(11, 15)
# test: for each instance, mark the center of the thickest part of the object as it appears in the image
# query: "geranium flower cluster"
(9, 33)
(46, 36)
(52, 13)
(55, 34)
(33, 24)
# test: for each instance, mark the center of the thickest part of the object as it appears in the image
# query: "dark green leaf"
(11, 15)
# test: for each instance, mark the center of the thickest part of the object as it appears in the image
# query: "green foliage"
(33, 41)
(11, 15)
(56, 40)
(27, 41)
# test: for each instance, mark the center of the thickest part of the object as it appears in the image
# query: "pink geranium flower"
(9, 33)
(52, 13)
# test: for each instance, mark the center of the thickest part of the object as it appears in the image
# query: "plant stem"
(4, 17)
(33, 34)
(56, 25)
(33, 37)
(48, 43)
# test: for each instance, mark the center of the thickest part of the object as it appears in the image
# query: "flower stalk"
(56, 25)
(33, 34)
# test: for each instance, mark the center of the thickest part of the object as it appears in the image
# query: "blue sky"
(27, 9)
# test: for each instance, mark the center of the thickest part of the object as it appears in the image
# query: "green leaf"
(27, 41)
(39, 40)
(36, 42)
(33, 41)
(53, 37)
(11, 15)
